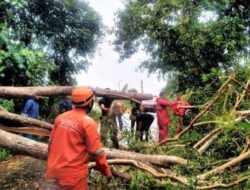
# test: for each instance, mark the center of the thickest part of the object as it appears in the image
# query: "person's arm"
(94, 148)
(165, 103)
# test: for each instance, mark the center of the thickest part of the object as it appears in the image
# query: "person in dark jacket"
(65, 105)
(144, 121)
(31, 109)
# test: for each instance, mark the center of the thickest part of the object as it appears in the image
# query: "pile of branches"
(190, 162)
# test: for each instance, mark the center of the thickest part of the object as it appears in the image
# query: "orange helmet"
(82, 96)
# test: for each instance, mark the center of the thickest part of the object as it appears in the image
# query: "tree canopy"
(66, 31)
(187, 38)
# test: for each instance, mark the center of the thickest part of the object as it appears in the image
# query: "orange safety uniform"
(73, 139)
(163, 118)
(180, 112)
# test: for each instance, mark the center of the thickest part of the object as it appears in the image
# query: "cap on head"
(82, 96)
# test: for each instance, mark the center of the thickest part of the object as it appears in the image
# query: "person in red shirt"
(163, 118)
(180, 112)
(74, 138)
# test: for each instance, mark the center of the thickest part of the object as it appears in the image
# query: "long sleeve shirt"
(31, 108)
(162, 112)
(73, 140)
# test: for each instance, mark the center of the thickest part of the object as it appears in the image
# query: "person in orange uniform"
(180, 112)
(73, 140)
(163, 118)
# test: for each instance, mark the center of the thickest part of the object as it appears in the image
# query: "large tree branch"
(204, 139)
(19, 92)
(24, 120)
(146, 168)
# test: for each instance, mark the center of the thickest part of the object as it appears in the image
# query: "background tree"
(67, 31)
(188, 39)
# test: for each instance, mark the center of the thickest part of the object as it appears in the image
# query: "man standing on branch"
(163, 118)
(73, 140)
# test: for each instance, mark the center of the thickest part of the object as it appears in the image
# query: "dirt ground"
(21, 172)
(26, 173)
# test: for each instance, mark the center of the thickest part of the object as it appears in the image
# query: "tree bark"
(39, 150)
(19, 92)
(23, 145)
(25, 120)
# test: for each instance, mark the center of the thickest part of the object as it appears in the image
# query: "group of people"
(163, 119)
(75, 139)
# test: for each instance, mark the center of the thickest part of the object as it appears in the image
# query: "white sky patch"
(105, 71)
(207, 16)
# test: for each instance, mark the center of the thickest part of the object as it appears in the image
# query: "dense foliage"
(186, 39)
(66, 31)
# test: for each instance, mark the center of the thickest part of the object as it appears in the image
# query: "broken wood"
(20, 92)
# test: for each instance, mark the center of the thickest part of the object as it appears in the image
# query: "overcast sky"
(105, 71)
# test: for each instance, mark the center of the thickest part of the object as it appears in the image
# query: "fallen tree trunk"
(19, 92)
(39, 150)
(153, 159)
(25, 120)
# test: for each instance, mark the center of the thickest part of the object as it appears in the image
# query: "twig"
(225, 166)
(238, 102)
(223, 184)
(237, 82)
